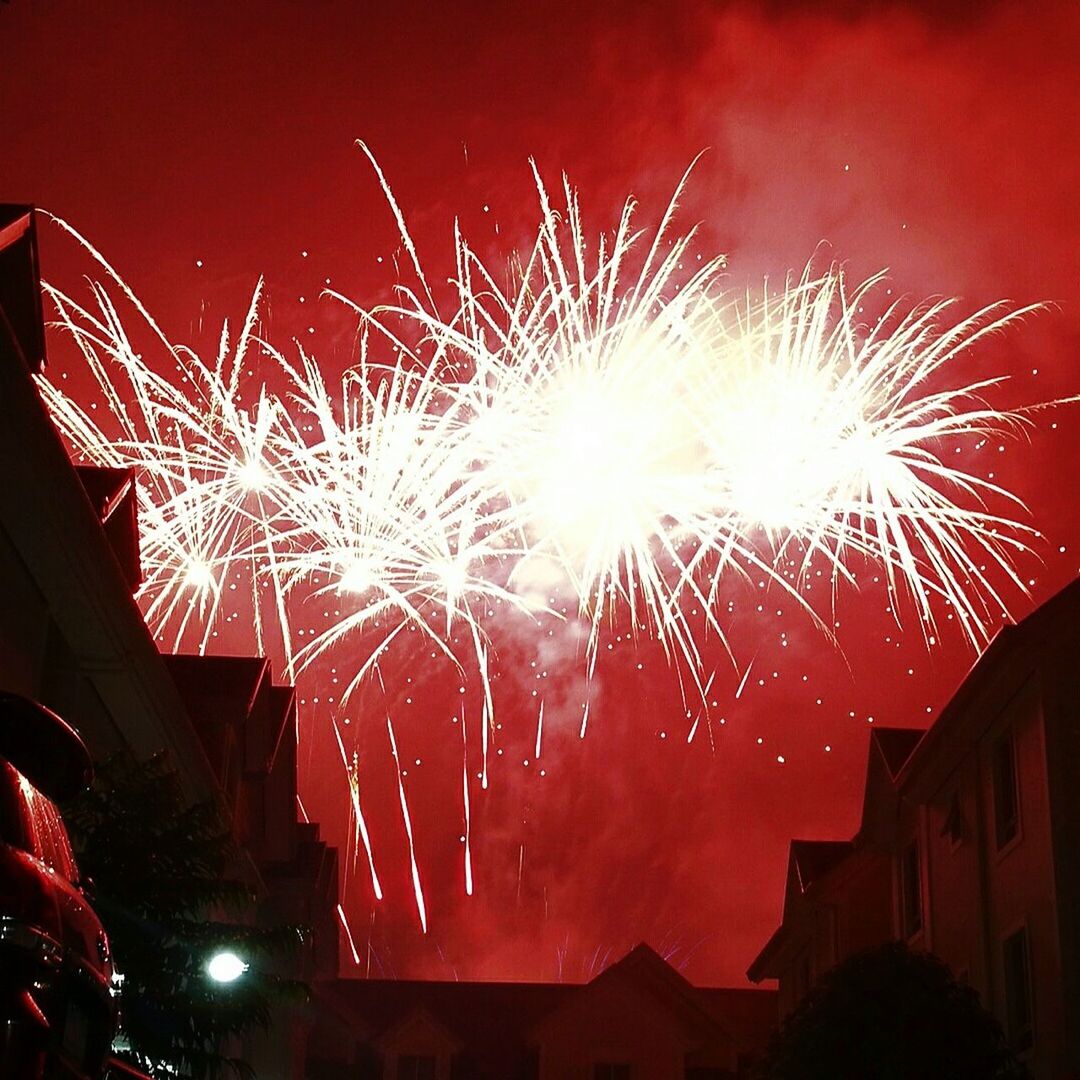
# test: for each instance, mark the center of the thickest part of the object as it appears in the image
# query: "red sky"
(941, 145)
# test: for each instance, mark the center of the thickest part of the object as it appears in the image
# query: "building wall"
(1021, 881)
(618, 1022)
(977, 893)
(953, 868)
(1061, 732)
(850, 910)
(24, 624)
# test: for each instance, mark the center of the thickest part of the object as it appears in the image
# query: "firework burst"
(605, 424)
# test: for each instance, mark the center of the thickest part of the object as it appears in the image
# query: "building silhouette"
(969, 847)
(637, 1020)
(72, 637)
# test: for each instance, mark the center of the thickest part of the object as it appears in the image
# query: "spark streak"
(348, 935)
(466, 807)
(360, 829)
(418, 889)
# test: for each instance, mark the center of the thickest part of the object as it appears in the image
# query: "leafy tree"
(890, 1014)
(158, 867)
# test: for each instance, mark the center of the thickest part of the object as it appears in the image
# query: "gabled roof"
(490, 1018)
(420, 1023)
(219, 693)
(112, 495)
(104, 487)
(209, 684)
(812, 859)
(887, 752)
(1026, 643)
(645, 969)
(808, 862)
(21, 317)
(497, 1023)
(896, 745)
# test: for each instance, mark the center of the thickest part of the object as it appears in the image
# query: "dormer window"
(611, 1070)
(954, 826)
(1006, 791)
(911, 913)
(416, 1067)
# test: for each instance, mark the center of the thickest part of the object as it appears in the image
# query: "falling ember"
(521, 870)
(418, 890)
(360, 829)
(742, 681)
(467, 838)
(697, 719)
(348, 935)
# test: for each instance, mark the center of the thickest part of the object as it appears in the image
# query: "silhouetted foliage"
(890, 1014)
(158, 870)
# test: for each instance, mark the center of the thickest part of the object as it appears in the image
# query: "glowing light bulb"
(225, 967)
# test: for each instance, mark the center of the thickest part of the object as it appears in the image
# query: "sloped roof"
(808, 862)
(495, 1020)
(814, 858)
(20, 285)
(896, 746)
(645, 967)
(212, 682)
(490, 1018)
(888, 751)
(1010, 643)
(104, 487)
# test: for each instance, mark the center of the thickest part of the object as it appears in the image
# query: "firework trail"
(466, 807)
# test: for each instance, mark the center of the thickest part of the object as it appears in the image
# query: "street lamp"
(225, 967)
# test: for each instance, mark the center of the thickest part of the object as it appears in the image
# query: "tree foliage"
(158, 867)
(891, 1014)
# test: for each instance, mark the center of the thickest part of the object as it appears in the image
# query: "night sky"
(199, 147)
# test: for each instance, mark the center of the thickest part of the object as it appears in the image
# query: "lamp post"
(225, 966)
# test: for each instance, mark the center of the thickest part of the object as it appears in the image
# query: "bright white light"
(198, 574)
(357, 577)
(453, 576)
(253, 476)
(225, 967)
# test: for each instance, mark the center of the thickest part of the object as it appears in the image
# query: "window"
(802, 977)
(1018, 1005)
(416, 1067)
(610, 1070)
(1006, 793)
(911, 914)
(954, 827)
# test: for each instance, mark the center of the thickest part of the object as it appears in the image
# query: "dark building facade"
(637, 1020)
(969, 847)
(73, 638)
